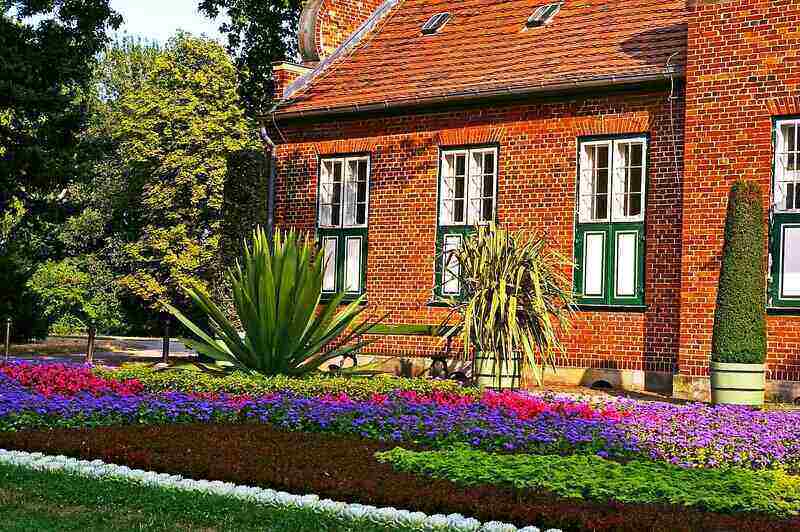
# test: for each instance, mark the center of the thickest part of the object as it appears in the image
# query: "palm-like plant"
(516, 298)
(276, 295)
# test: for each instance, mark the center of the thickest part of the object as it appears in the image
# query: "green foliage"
(260, 33)
(35, 500)
(18, 302)
(49, 49)
(178, 130)
(245, 383)
(740, 330)
(75, 294)
(591, 477)
(276, 293)
(516, 297)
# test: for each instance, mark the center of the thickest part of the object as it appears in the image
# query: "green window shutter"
(609, 264)
(626, 270)
(446, 237)
(784, 286)
(591, 263)
(347, 250)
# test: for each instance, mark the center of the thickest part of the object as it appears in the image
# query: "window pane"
(595, 183)
(450, 267)
(352, 275)
(488, 210)
(488, 163)
(626, 264)
(790, 274)
(461, 165)
(350, 194)
(329, 249)
(593, 259)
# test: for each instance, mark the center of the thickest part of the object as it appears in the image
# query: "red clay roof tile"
(486, 47)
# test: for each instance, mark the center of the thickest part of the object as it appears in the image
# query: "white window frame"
(349, 179)
(616, 175)
(784, 177)
(474, 192)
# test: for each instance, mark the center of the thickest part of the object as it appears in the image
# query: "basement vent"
(435, 23)
(543, 15)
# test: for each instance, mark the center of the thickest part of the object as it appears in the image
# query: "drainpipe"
(269, 148)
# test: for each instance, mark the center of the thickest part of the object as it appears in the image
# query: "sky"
(158, 20)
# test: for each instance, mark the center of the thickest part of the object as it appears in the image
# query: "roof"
(486, 49)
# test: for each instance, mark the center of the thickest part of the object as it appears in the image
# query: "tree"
(259, 34)
(45, 70)
(77, 294)
(49, 51)
(178, 134)
(740, 328)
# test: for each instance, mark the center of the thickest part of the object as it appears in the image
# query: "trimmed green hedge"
(740, 330)
(731, 490)
(240, 383)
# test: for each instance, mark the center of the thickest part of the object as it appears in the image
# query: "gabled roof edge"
(605, 81)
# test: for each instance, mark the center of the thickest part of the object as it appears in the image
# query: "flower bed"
(345, 468)
(694, 435)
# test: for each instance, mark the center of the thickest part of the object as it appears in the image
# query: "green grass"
(31, 500)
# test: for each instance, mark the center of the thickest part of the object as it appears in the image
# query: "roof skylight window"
(435, 23)
(543, 15)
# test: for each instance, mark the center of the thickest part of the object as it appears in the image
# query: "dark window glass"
(461, 165)
(488, 205)
(458, 211)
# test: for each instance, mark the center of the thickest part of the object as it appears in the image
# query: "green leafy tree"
(740, 328)
(44, 73)
(49, 51)
(76, 294)
(178, 133)
(259, 34)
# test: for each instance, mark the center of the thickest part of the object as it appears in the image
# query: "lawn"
(571, 463)
(31, 500)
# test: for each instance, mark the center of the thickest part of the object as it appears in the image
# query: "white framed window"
(609, 237)
(467, 198)
(344, 192)
(468, 186)
(612, 180)
(342, 220)
(786, 190)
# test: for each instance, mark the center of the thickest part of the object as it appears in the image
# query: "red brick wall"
(536, 191)
(743, 69)
(338, 19)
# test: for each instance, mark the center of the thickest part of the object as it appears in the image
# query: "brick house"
(615, 128)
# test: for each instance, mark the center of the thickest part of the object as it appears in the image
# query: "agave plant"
(276, 296)
(515, 298)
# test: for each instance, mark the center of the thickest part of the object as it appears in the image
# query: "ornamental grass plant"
(516, 298)
(277, 288)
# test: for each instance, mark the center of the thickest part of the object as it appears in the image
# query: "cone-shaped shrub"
(740, 323)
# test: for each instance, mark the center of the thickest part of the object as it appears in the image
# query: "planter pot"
(497, 375)
(738, 384)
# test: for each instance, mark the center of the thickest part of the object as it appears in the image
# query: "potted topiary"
(739, 345)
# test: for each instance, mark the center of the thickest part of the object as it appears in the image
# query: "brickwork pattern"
(743, 69)
(536, 191)
(338, 19)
